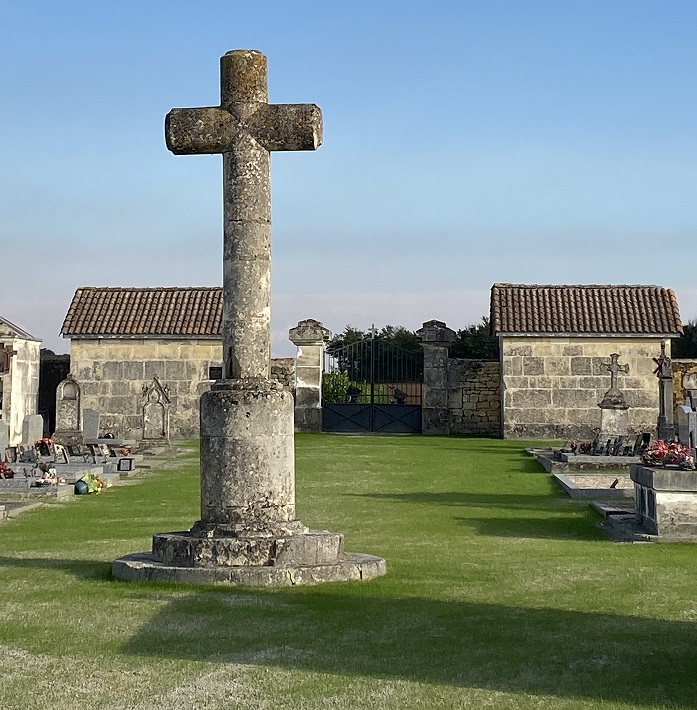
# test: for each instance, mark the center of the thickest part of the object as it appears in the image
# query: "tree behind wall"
(475, 342)
(53, 369)
(686, 345)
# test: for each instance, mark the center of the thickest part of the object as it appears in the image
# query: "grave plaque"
(90, 424)
(32, 429)
(156, 405)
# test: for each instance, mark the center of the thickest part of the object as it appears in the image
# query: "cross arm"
(199, 130)
(287, 126)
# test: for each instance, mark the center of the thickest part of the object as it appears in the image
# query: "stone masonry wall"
(681, 367)
(474, 397)
(552, 386)
(21, 385)
(112, 372)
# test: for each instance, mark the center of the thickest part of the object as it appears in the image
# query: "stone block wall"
(20, 385)
(681, 367)
(474, 397)
(551, 386)
(112, 373)
(283, 370)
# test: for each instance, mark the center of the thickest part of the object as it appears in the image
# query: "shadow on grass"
(474, 500)
(567, 654)
(83, 569)
(550, 528)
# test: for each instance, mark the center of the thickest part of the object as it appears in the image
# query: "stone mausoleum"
(556, 344)
(128, 343)
(19, 377)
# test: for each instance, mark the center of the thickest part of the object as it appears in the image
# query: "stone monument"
(664, 371)
(614, 417)
(32, 429)
(435, 337)
(156, 404)
(68, 412)
(248, 533)
(687, 413)
(309, 336)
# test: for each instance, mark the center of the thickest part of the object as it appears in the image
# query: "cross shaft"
(244, 129)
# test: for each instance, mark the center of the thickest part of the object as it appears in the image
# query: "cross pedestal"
(248, 533)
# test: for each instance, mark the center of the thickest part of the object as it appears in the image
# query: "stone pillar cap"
(435, 331)
(689, 381)
(309, 332)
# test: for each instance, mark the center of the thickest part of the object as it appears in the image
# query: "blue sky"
(466, 143)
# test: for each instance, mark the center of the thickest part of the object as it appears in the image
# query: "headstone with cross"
(664, 372)
(614, 419)
(613, 398)
(248, 533)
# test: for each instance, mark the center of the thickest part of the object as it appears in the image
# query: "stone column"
(309, 336)
(435, 339)
(665, 426)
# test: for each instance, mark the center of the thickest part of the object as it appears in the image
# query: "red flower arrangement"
(668, 453)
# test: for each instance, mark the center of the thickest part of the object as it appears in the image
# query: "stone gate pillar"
(435, 339)
(309, 336)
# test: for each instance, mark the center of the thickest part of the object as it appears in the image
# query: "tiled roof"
(16, 331)
(144, 311)
(584, 310)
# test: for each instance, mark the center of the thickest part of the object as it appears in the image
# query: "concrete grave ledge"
(596, 485)
(141, 567)
(583, 462)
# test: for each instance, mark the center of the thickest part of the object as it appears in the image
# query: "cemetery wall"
(551, 386)
(474, 397)
(21, 386)
(681, 367)
(112, 373)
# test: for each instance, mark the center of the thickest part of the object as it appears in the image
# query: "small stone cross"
(663, 365)
(245, 128)
(613, 368)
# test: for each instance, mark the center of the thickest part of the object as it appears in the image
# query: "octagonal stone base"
(141, 567)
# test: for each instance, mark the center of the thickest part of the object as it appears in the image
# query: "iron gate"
(372, 386)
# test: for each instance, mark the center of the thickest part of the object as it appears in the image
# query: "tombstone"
(248, 533)
(68, 412)
(90, 424)
(60, 455)
(614, 417)
(687, 413)
(618, 446)
(156, 403)
(32, 429)
(665, 427)
(4, 436)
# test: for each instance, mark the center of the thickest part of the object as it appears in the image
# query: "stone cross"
(664, 372)
(614, 369)
(248, 532)
(613, 398)
(245, 128)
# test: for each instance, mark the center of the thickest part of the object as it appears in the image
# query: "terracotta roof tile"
(584, 310)
(145, 311)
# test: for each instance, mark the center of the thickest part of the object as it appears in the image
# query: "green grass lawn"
(501, 593)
